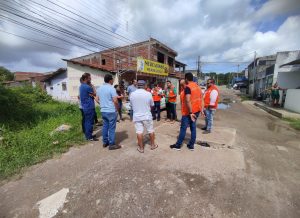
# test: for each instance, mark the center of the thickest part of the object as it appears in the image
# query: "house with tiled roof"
(150, 60)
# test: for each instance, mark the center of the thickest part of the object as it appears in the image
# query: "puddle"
(223, 106)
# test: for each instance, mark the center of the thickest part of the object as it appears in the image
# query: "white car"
(162, 104)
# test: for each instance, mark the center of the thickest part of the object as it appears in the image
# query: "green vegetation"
(5, 74)
(28, 117)
(245, 98)
(295, 123)
(223, 78)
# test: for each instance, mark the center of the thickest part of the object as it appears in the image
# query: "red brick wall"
(126, 56)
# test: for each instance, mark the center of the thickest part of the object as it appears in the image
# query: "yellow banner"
(152, 67)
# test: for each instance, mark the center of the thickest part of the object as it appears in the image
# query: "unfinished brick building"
(123, 61)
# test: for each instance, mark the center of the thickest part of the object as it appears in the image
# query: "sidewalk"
(278, 112)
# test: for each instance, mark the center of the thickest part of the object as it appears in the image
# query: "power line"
(55, 28)
(36, 41)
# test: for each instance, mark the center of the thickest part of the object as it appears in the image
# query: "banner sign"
(152, 67)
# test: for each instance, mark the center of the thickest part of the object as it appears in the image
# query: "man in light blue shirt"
(109, 107)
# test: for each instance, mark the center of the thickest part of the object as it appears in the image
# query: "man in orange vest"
(191, 107)
(211, 98)
(156, 95)
(171, 99)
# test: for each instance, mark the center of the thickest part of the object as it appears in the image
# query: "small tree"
(5, 74)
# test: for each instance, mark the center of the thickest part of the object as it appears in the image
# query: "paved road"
(251, 170)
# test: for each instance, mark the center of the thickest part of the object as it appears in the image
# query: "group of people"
(145, 107)
(169, 94)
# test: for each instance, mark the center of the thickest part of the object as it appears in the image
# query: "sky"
(36, 35)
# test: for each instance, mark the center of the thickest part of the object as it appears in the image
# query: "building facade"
(123, 60)
(56, 85)
(283, 68)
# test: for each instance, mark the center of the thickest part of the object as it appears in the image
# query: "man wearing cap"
(141, 102)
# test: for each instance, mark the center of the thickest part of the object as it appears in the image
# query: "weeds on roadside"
(28, 116)
(295, 123)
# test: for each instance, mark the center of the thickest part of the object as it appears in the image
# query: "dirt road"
(251, 170)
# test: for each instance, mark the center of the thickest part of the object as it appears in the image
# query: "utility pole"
(254, 75)
(198, 68)
(237, 75)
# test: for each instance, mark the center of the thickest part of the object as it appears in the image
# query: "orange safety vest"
(172, 96)
(155, 95)
(207, 97)
(196, 99)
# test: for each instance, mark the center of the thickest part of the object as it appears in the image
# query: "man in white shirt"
(141, 102)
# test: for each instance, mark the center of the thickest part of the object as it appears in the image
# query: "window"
(170, 61)
(118, 61)
(262, 63)
(103, 61)
(64, 86)
(160, 57)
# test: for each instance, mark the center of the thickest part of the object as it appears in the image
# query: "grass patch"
(27, 139)
(295, 123)
(245, 98)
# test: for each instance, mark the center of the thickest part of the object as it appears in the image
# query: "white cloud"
(214, 29)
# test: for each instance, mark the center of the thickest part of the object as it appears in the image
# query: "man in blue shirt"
(86, 93)
(109, 107)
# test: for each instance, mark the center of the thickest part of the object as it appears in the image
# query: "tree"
(5, 74)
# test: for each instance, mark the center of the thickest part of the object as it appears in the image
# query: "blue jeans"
(156, 110)
(109, 127)
(185, 123)
(82, 120)
(89, 115)
(209, 118)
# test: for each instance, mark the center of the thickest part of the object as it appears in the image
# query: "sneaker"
(203, 128)
(93, 139)
(105, 145)
(190, 148)
(114, 147)
(175, 147)
(207, 132)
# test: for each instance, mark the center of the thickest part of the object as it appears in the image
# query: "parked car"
(162, 104)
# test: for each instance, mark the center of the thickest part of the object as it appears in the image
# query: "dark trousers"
(82, 120)
(120, 109)
(89, 116)
(156, 110)
(185, 123)
(95, 117)
(171, 113)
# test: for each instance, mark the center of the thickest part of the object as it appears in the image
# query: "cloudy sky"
(36, 35)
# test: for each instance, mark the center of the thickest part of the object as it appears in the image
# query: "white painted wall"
(75, 71)
(57, 91)
(283, 58)
(289, 80)
(292, 100)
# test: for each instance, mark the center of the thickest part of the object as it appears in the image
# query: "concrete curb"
(269, 110)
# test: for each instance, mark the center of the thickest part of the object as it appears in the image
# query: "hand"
(202, 114)
(193, 117)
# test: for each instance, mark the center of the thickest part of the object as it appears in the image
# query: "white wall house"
(64, 84)
(75, 71)
(57, 85)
